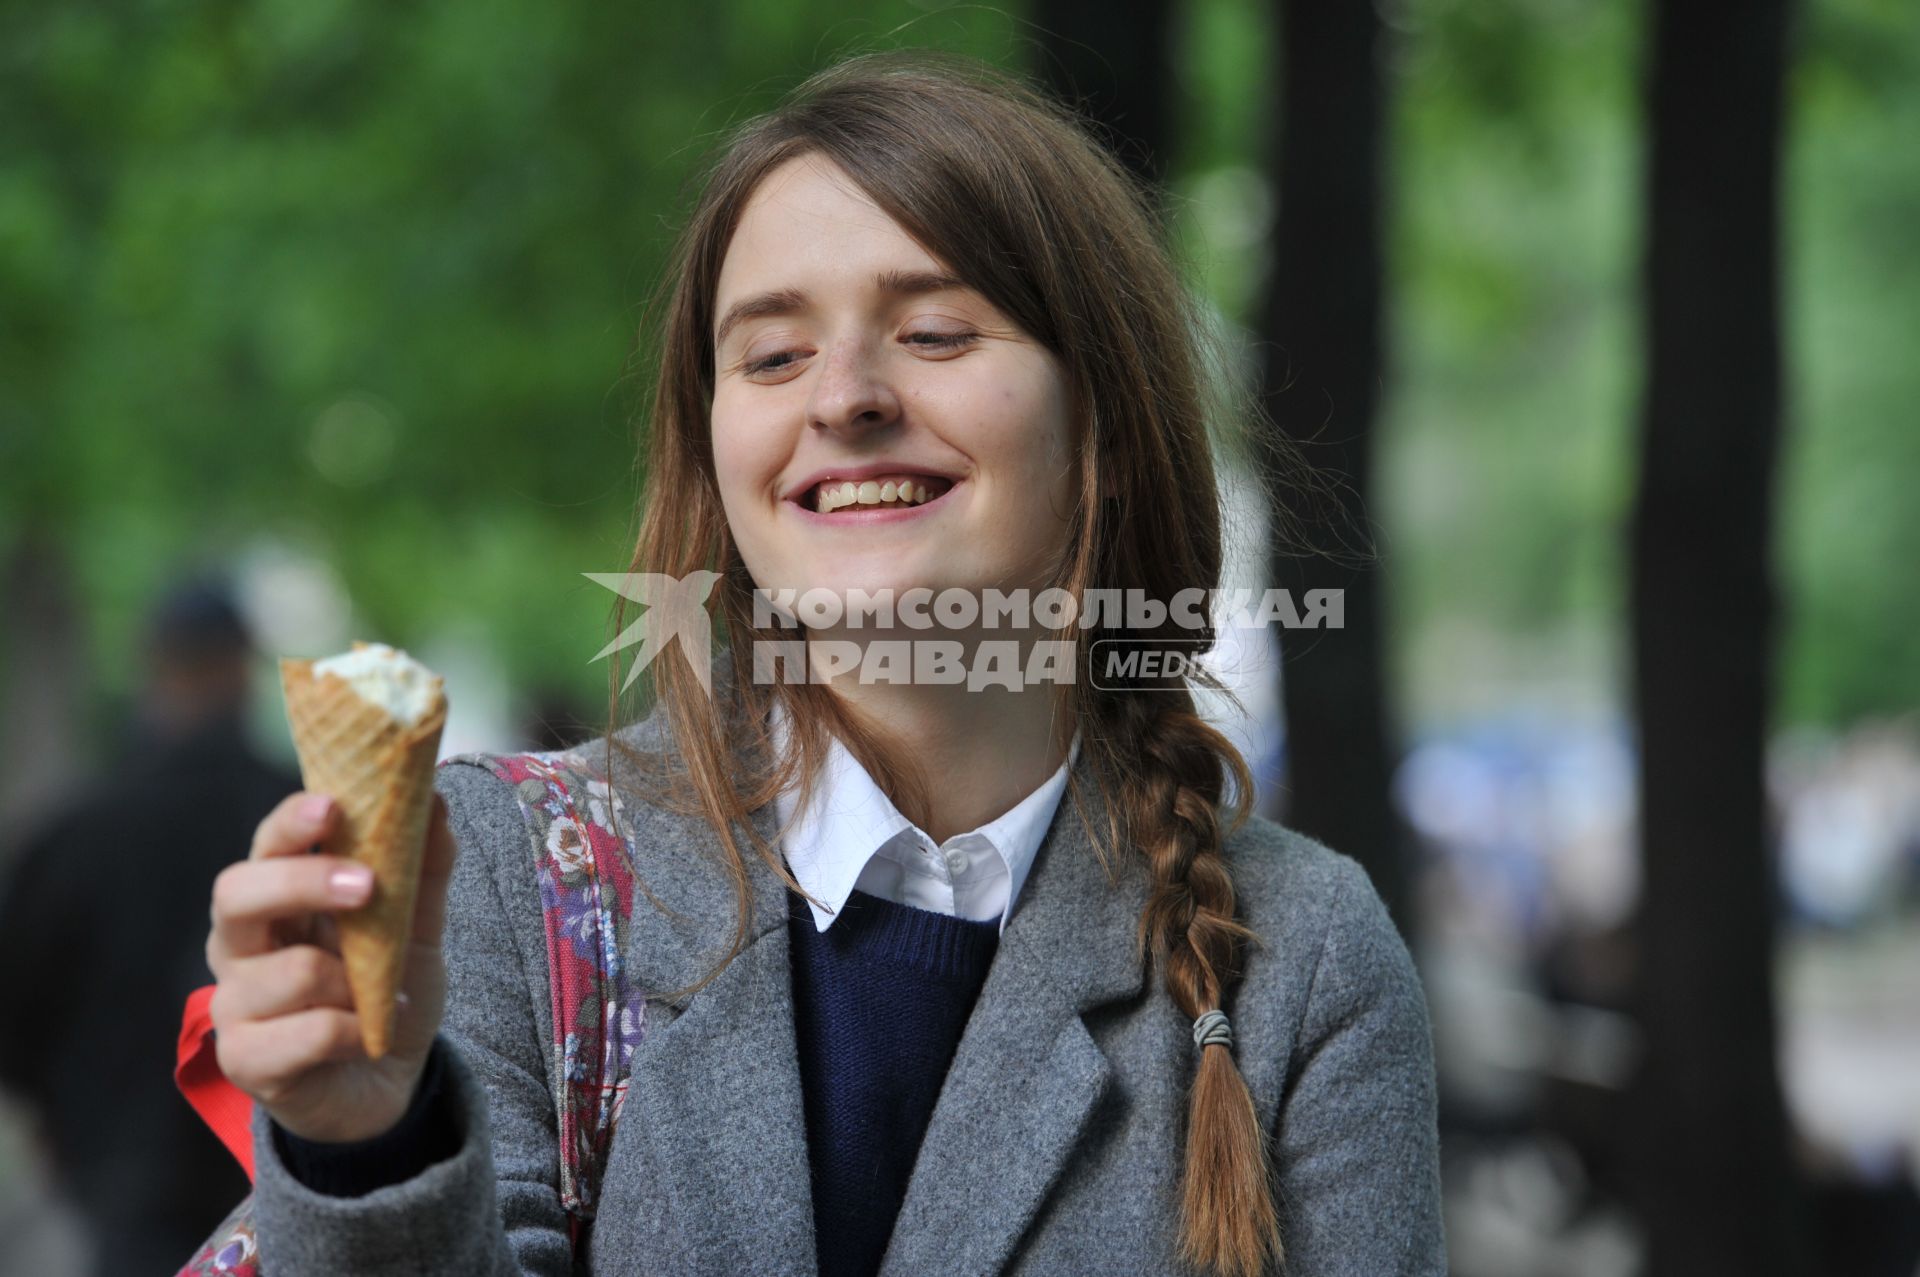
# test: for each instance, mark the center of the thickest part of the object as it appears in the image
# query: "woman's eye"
(940, 341)
(772, 363)
(926, 340)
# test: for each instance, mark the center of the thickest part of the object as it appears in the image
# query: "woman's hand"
(286, 1031)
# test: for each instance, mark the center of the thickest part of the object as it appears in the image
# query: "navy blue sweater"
(880, 1000)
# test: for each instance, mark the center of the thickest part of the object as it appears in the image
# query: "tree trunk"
(1720, 1192)
(1112, 59)
(1322, 326)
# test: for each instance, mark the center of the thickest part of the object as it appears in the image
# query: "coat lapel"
(1028, 1074)
(714, 1106)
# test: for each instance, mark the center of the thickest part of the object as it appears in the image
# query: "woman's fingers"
(297, 826)
(278, 984)
(326, 932)
(266, 1058)
(290, 829)
(250, 896)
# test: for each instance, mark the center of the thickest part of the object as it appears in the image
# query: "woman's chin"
(882, 586)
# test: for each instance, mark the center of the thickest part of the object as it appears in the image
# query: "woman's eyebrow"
(787, 301)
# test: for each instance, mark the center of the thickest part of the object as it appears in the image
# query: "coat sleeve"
(493, 1207)
(1357, 1144)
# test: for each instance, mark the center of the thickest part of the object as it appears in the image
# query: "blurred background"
(316, 323)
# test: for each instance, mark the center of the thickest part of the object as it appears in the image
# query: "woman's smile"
(865, 503)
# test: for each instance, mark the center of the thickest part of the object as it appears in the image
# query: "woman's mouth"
(867, 500)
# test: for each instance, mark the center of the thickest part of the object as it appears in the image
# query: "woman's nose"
(853, 392)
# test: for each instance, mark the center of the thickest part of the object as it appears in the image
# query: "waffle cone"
(380, 773)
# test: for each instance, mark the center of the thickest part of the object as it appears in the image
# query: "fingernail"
(351, 886)
(314, 807)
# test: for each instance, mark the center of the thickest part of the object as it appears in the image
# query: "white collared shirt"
(853, 836)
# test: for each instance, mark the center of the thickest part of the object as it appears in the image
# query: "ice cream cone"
(380, 771)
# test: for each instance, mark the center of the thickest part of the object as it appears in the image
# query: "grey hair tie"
(1212, 1027)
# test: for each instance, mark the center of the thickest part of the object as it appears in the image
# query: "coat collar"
(715, 1105)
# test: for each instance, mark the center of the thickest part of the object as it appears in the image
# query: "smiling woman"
(1007, 978)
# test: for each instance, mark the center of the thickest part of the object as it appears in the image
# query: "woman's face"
(845, 351)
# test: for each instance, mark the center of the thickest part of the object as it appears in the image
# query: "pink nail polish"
(350, 885)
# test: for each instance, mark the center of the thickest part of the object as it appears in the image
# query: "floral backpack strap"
(232, 1250)
(585, 872)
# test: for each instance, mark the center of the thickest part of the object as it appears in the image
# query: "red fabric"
(221, 1105)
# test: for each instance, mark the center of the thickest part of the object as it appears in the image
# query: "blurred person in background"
(553, 721)
(96, 975)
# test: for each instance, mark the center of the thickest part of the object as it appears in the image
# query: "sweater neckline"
(873, 928)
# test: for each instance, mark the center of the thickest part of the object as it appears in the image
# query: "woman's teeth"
(903, 491)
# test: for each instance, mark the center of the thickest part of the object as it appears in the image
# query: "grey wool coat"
(1054, 1147)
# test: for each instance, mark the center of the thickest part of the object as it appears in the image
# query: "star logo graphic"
(676, 610)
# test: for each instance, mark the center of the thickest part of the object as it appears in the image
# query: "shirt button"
(956, 861)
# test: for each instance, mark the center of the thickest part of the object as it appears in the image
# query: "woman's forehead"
(808, 212)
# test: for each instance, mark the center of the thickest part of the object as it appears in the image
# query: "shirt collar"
(851, 818)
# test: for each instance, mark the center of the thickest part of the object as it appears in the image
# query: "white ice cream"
(385, 677)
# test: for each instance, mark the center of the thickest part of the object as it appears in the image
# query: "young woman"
(938, 977)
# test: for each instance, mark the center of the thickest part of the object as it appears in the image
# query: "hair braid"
(1228, 1218)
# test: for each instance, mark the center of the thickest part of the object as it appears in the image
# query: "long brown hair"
(1015, 194)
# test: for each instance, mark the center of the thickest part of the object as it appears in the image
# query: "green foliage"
(1507, 445)
(1850, 540)
(363, 278)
